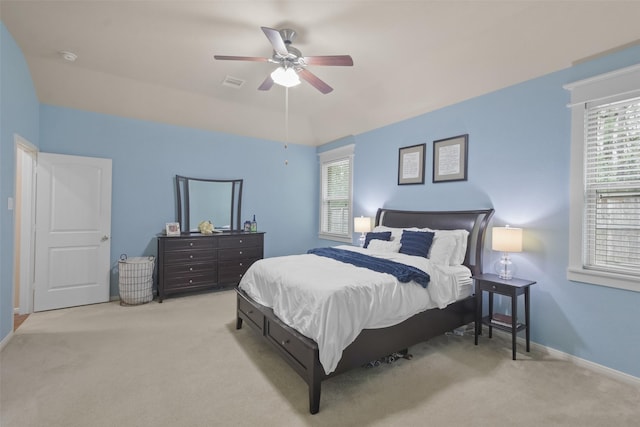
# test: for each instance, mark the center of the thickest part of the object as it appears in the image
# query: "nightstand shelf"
(486, 320)
(512, 288)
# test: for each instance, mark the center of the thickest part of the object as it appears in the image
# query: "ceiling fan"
(292, 65)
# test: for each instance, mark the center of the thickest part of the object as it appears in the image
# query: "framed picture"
(173, 228)
(450, 159)
(411, 165)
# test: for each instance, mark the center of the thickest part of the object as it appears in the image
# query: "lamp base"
(362, 239)
(505, 269)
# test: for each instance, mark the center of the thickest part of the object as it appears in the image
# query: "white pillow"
(442, 249)
(460, 236)
(384, 246)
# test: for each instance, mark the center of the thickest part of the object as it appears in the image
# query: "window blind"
(612, 187)
(336, 198)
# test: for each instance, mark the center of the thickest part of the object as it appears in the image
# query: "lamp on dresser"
(506, 240)
(362, 225)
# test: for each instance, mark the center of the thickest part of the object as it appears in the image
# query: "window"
(336, 183)
(605, 180)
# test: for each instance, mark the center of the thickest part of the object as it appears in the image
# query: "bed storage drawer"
(288, 342)
(253, 316)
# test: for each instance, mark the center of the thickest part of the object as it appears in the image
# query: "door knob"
(104, 238)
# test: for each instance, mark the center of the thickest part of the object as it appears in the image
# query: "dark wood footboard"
(301, 353)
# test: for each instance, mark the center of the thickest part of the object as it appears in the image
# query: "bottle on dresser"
(254, 225)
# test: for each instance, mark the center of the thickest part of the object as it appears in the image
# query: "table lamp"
(362, 225)
(506, 239)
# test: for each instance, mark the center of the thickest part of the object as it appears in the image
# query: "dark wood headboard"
(474, 221)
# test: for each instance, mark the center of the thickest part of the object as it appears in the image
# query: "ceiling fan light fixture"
(286, 77)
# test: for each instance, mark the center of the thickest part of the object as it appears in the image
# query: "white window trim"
(328, 156)
(609, 87)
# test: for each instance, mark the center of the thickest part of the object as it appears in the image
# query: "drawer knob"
(250, 311)
(285, 342)
(191, 256)
(240, 252)
(493, 287)
(190, 268)
(190, 280)
(240, 264)
(240, 240)
(191, 244)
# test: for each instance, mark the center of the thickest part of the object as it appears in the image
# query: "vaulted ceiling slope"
(153, 60)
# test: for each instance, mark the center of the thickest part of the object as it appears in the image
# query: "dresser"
(193, 261)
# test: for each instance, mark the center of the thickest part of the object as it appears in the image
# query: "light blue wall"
(147, 156)
(518, 163)
(18, 115)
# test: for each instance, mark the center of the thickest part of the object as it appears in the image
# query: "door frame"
(26, 157)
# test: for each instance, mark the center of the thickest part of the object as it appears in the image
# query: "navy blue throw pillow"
(416, 242)
(383, 235)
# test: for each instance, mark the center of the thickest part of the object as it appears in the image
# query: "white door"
(73, 229)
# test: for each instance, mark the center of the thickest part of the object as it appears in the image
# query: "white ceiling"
(153, 60)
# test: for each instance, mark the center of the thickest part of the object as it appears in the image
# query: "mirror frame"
(182, 193)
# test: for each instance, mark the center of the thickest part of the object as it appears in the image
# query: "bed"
(306, 356)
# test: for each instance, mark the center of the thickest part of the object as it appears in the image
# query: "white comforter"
(331, 302)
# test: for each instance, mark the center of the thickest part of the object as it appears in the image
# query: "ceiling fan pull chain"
(286, 116)
(286, 120)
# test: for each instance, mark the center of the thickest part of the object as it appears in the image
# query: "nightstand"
(493, 284)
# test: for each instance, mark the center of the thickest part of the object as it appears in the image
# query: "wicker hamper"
(135, 279)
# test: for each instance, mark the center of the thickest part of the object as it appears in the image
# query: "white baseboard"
(6, 340)
(612, 373)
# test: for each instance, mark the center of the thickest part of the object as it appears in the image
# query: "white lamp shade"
(507, 239)
(362, 224)
(286, 77)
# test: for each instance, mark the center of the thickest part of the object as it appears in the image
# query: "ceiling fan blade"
(266, 84)
(344, 60)
(314, 81)
(276, 41)
(242, 58)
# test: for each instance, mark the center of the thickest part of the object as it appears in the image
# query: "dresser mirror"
(215, 200)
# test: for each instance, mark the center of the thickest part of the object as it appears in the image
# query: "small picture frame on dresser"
(173, 228)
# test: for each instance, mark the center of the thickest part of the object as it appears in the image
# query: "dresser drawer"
(240, 241)
(181, 244)
(232, 271)
(186, 281)
(240, 253)
(186, 269)
(190, 256)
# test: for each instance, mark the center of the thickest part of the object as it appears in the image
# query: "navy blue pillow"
(383, 235)
(416, 242)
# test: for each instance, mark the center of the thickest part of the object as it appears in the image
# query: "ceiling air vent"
(233, 82)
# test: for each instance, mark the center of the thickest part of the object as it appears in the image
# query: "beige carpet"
(182, 363)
